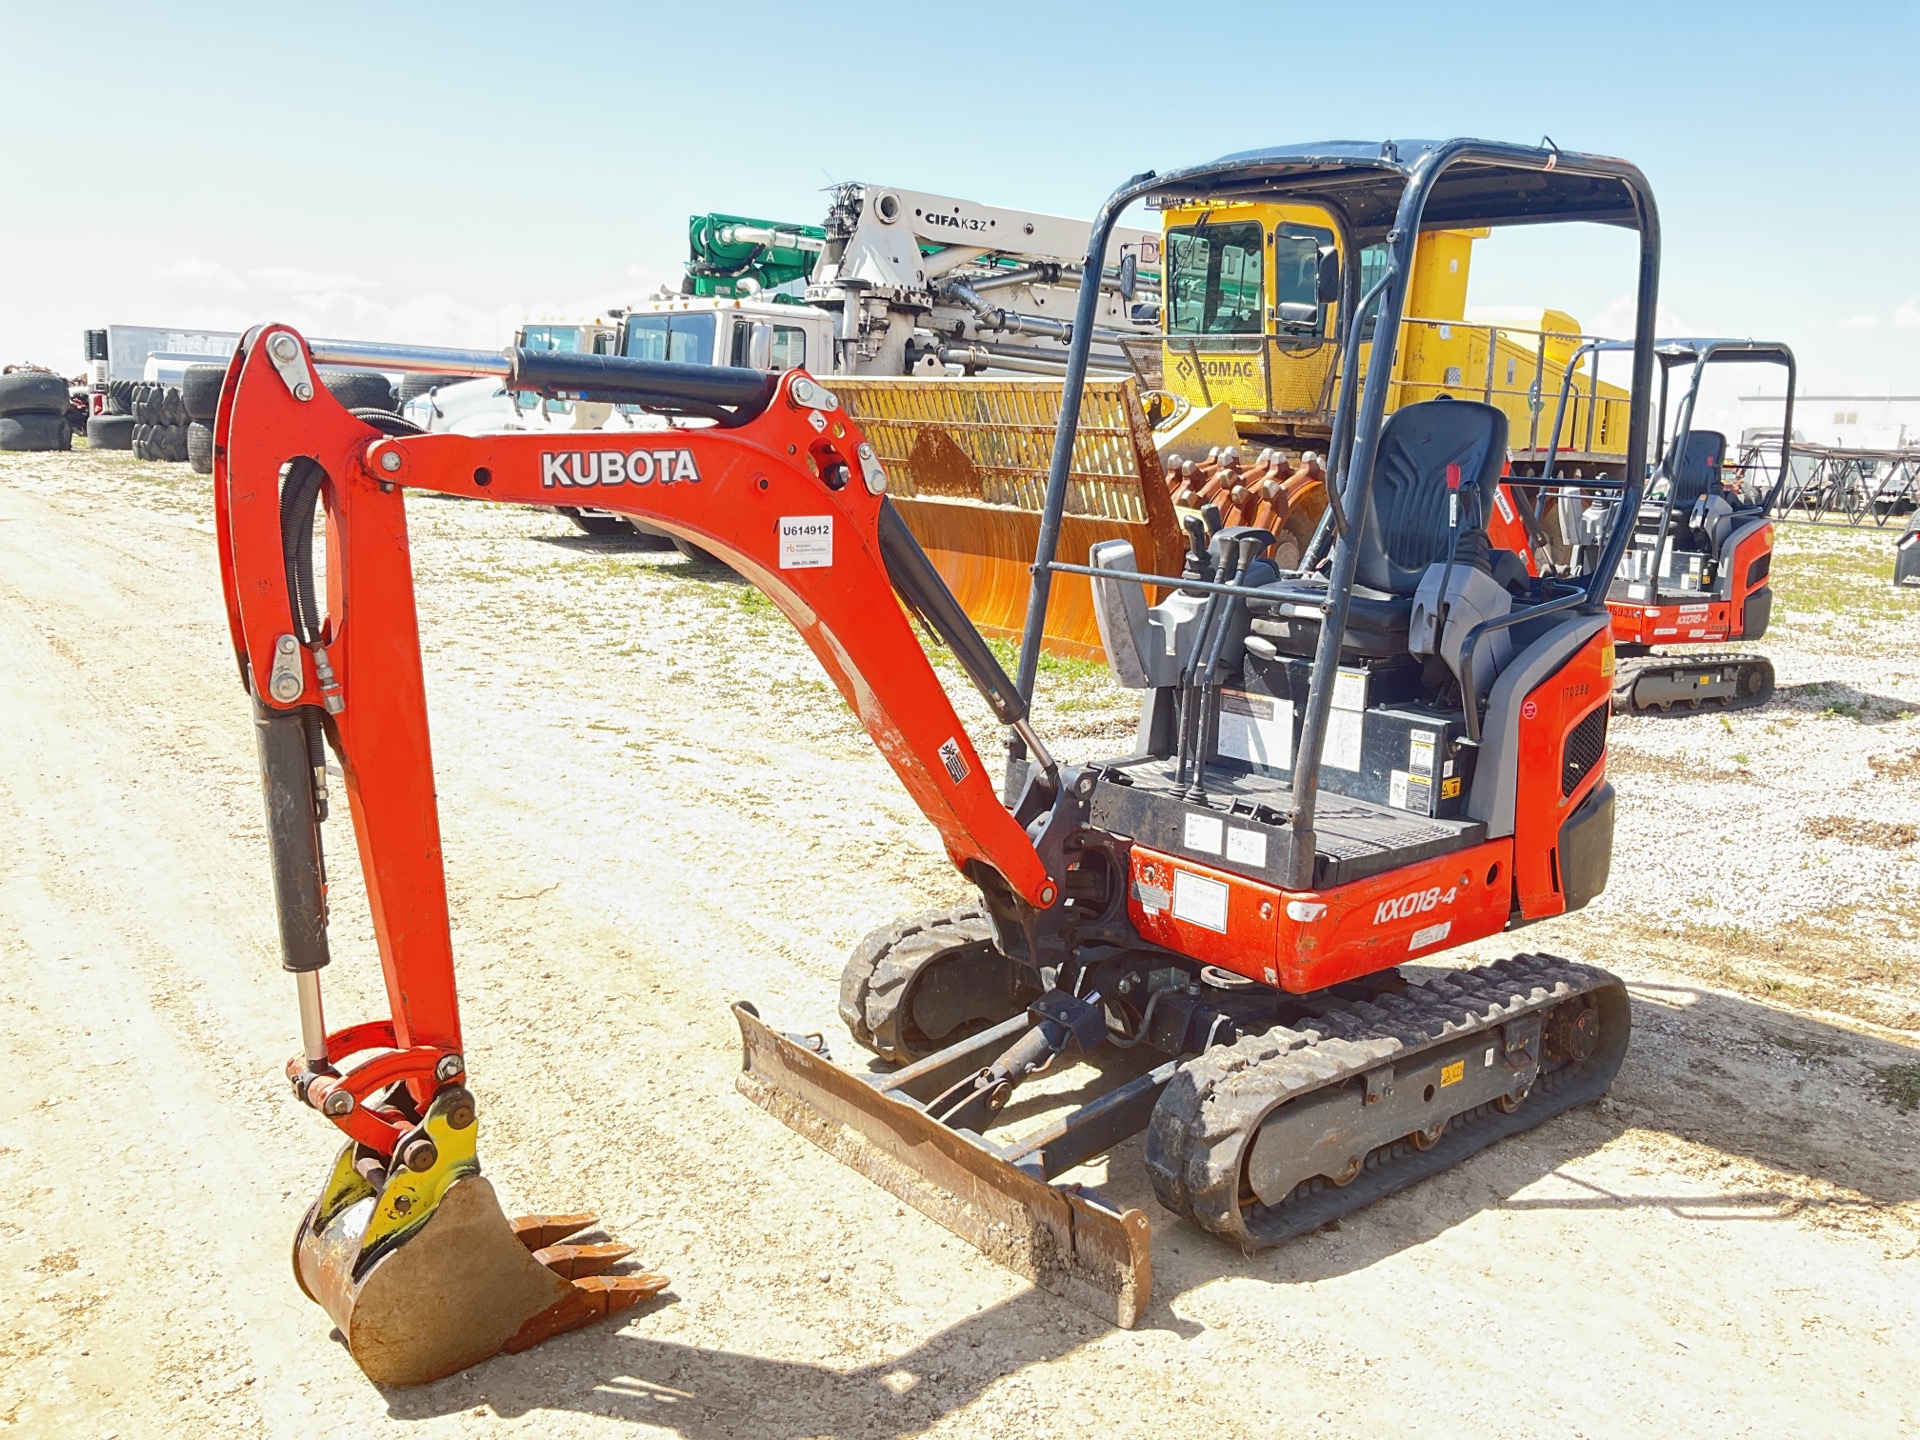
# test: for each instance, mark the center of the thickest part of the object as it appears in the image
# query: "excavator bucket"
(424, 1274)
(967, 466)
(1063, 1238)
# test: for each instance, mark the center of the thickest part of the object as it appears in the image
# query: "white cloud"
(1615, 319)
(1860, 322)
(285, 278)
(1907, 317)
(200, 275)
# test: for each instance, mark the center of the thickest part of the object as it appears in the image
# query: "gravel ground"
(654, 804)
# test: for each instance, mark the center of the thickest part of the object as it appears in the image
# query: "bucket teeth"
(576, 1262)
(537, 1232)
(591, 1298)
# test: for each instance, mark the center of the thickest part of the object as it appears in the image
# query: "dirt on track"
(653, 805)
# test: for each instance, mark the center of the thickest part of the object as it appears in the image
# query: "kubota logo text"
(615, 467)
(1418, 903)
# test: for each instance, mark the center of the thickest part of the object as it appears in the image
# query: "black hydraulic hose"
(299, 494)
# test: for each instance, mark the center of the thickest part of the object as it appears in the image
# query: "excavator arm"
(783, 487)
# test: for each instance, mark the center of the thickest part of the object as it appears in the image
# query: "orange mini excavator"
(1390, 748)
(1697, 570)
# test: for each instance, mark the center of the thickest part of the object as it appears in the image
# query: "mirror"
(1129, 275)
(760, 346)
(1329, 275)
(1297, 315)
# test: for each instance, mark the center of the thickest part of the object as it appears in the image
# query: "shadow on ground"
(1829, 697)
(1715, 1070)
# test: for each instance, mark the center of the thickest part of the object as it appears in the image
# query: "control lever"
(1247, 549)
(1199, 564)
(1210, 616)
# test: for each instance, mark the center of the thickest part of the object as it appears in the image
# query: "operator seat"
(1403, 527)
(1696, 469)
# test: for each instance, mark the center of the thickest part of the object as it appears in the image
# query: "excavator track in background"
(1278, 1133)
(1647, 684)
(918, 985)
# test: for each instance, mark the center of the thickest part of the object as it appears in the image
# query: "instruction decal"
(955, 762)
(1200, 901)
(806, 542)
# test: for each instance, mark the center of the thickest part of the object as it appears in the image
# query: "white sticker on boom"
(1500, 503)
(1200, 901)
(1247, 847)
(1204, 832)
(806, 542)
(1429, 935)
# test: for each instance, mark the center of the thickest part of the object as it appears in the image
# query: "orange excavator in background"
(1391, 746)
(1697, 569)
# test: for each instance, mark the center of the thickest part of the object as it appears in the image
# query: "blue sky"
(432, 174)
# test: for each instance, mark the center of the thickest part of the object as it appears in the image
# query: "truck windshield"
(1216, 279)
(564, 338)
(684, 337)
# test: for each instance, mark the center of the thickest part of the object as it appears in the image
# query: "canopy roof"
(1487, 183)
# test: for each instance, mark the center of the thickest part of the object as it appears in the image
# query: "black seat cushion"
(1403, 528)
(1376, 623)
(1696, 468)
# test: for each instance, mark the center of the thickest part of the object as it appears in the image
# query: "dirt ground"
(654, 805)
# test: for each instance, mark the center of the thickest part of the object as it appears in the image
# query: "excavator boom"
(406, 1246)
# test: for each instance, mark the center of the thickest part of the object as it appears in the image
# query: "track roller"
(1661, 683)
(1278, 1133)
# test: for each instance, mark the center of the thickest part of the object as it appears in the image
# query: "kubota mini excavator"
(1696, 571)
(1393, 748)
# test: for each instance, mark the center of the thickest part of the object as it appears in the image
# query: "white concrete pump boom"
(920, 282)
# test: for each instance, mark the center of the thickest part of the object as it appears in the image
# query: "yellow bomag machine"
(1249, 313)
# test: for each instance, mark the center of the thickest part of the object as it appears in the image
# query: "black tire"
(32, 430)
(412, 387)
(694, 553)
(200, 448)
(139, 403)
(120, 397)
(359, 389)
(110, 432)
(177, 414)
(200, 390)
(176, 444)
(32, 392)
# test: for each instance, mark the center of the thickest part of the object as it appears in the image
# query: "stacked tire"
(200, 398)
(112, 428)
(159, 422)
(33, 411)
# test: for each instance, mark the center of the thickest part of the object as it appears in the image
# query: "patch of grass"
(1879, 834)
(1899, 1085)
(1815, 1050)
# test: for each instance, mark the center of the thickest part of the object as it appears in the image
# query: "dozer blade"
(1063, 1240)
(425, 1275)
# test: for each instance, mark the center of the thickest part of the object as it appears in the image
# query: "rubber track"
(876, 979)
(1628, 673)
(1204, 1123)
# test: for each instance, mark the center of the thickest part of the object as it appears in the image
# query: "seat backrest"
(1404, 527)
(1696, 469)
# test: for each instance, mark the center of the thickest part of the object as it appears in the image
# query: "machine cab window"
(1217, 285)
